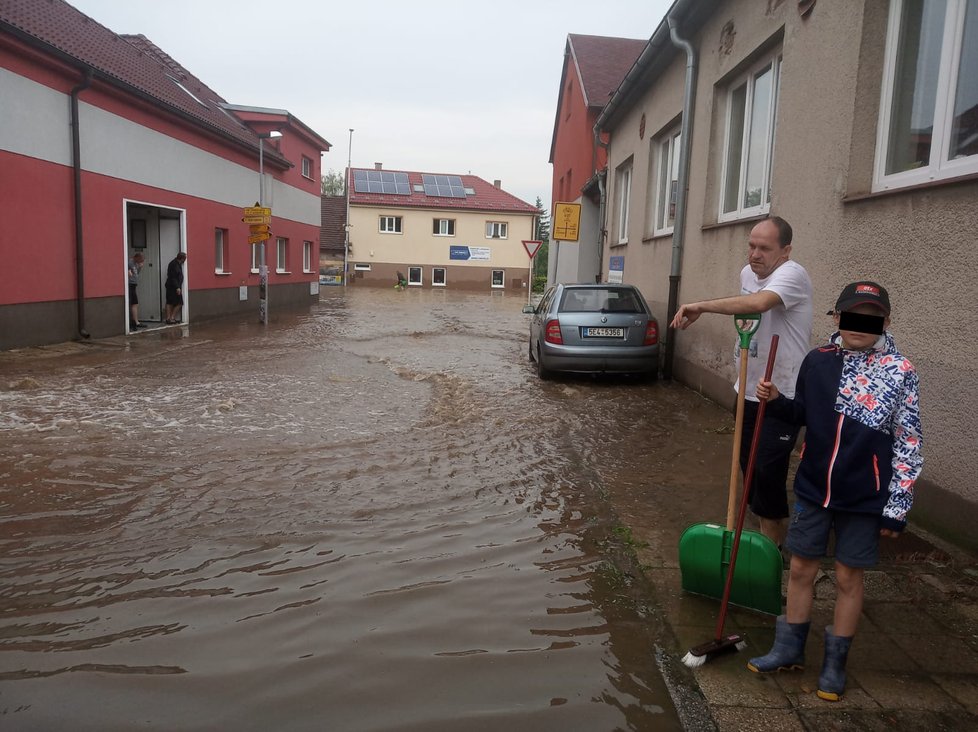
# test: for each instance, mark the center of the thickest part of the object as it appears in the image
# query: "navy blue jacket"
(862, 450)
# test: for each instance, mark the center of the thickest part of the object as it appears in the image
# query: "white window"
(667, 182)
(390, 224)
(928, 126)
(255, 256)
(443, 227)
(414, 276)
(497, 230)
(221, 260)
(361, 267)
(281, 255)
(306, 167)
(498, 278)
(752, 102)
(307, 256)
(438, 276)
(623, 191)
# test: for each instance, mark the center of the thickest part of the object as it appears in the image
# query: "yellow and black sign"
(566, 222)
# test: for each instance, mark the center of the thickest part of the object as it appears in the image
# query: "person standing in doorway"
(135, 265)
(772, 284)
(174, 289)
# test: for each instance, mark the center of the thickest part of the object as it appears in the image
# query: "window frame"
(434, 277)
(494, 226)
(502, 279)
(939, 167)
(623, 192)
(307, 257)
(668, 147)
(437, 226)
(256, 259)
(386, 221)
(221, 251)
(773, 59)
(281, 255)
(306, 167)
(361, 267)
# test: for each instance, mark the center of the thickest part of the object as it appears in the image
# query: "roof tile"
(486, 198)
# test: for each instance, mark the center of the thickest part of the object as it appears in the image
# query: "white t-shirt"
(791, 321)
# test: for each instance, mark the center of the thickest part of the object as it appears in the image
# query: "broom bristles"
(699, 655)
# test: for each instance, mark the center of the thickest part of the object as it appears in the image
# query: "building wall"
(417, 245)
(128, 153)
(917, 242)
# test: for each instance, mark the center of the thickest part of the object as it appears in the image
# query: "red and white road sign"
(532, 247)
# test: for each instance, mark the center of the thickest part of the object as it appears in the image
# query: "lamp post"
(346, 185)
(262, 266)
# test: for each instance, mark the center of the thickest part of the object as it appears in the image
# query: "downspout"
(679, 230)
(76, 169)
(602, 182)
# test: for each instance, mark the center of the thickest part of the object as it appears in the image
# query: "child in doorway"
(857, 397)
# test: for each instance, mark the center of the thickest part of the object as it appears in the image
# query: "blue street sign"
(456, 252)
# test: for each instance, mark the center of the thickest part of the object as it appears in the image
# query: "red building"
(594, 66)
(109, 147)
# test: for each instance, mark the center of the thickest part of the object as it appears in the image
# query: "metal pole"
(262, 267)
(346, 186)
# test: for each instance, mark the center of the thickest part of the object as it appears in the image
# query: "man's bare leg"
(774, 529)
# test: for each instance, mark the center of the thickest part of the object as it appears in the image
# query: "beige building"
(855, 120)
(438, 230)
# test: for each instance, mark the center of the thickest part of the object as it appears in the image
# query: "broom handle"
(761, 408)
(738, 438)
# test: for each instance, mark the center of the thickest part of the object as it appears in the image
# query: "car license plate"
(604, 332)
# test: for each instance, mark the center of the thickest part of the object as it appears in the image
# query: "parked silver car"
(602, 328)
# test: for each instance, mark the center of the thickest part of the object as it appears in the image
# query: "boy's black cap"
(862, 293)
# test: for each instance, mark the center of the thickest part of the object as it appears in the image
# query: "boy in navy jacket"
(857, 397)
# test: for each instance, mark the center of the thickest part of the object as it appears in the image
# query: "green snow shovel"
(704, 549)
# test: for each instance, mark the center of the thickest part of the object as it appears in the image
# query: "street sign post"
(260, 217)
(532, 246)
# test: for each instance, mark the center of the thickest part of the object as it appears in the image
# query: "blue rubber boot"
(788, 651)
(832, 680)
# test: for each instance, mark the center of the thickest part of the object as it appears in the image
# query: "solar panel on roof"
(449, 186)
(381, 181)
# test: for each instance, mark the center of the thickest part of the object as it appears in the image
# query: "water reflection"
(368, 516)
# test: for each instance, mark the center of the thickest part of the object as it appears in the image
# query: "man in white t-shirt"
(781, 289)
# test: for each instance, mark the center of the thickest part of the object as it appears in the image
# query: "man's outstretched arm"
(758, 302)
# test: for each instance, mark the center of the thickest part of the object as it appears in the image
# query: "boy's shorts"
(857, 535)
(768, 492)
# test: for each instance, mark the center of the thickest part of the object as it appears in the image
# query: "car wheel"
(529, 350)
(542, 371)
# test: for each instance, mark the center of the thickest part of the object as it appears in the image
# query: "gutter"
(679, 229)
(77, 191)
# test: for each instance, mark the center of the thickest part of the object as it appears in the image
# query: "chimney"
(497, 183)
(378, 166)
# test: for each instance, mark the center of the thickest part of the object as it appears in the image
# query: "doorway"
(157, 233)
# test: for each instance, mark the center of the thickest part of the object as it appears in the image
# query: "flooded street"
(370, 515)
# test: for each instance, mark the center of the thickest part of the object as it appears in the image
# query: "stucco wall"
(918, 243)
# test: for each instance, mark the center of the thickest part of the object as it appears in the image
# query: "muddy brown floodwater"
(368, 515)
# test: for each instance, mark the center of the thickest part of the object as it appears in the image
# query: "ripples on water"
(371, 516)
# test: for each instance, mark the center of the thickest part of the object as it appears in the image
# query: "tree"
(333, 184)
(542, 234)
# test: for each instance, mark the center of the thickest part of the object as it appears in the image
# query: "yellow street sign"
(257, 219)
(255, 238)
(566, 222)
(260, 228)
(257, 211)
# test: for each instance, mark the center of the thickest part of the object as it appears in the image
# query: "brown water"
(366, 516)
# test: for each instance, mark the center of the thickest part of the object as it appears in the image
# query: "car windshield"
(600, 300)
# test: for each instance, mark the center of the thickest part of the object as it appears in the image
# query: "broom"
(734, 642)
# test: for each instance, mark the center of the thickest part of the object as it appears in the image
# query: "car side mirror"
(529, 309)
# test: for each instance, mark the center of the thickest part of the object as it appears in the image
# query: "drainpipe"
(598, 142)
(679, 230)
(76, 166)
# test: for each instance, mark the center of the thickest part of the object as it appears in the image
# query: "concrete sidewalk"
(913, 663)
(914, 660)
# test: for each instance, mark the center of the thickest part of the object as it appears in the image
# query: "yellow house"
(437, 230)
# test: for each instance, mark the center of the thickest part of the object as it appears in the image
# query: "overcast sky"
(445, 87)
